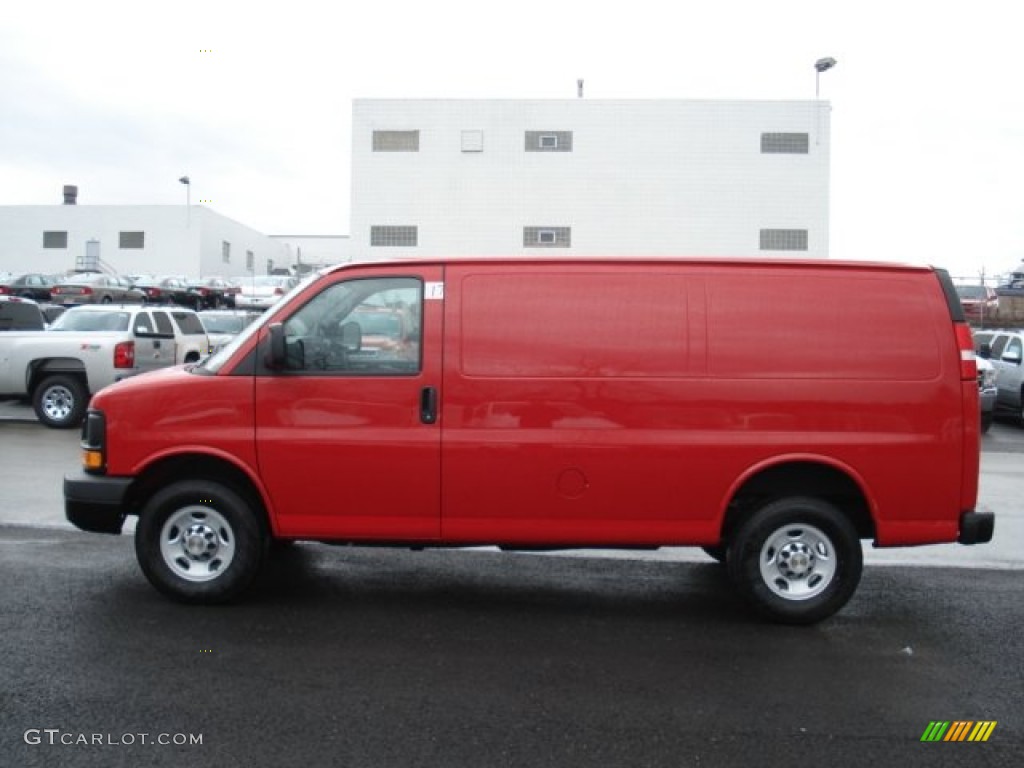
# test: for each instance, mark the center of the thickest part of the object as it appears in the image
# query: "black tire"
(986, 422)
(60, 401)
(797, 560)
(198, 541)
(107, 300)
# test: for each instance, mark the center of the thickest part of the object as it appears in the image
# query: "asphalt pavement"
(368, 658)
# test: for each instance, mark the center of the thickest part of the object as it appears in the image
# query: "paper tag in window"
(434, 291)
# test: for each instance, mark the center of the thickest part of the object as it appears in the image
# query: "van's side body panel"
(590, 402)
(170, 413)
(623, 404)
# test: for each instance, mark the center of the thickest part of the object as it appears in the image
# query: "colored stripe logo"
(958, 730)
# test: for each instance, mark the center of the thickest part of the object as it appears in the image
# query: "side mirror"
(985, 350)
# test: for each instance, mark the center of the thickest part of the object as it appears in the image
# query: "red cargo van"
(775, 413)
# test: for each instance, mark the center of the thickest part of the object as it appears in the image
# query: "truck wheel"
(199, 542)
(60, 401)
(797, 560)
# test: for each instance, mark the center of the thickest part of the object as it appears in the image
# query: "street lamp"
(821, 65)
(188, 199)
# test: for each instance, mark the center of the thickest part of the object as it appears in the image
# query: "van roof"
(745, 261)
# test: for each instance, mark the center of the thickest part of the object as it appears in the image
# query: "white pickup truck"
(88, 348)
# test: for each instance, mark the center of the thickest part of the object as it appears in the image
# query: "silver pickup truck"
(88, 348)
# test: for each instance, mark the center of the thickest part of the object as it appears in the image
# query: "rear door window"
(143, 324)
(163, 324)
(188, 323)
(998, 343)
(19, 316)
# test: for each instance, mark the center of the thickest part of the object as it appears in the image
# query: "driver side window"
(364, 327)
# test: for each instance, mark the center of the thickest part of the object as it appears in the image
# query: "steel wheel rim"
(58, 403)
(798, 562)
(197, 543)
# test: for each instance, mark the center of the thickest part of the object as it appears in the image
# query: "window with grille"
(549, 141)
(394, 236)
(547, 237)
(396, 141)
(132, 239)
(784, 143)
(55, 239)
(783, 239)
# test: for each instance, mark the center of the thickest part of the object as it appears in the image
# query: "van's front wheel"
(797, 560)
(199, 542)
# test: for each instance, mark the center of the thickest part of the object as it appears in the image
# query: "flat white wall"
(215, 230)
(644, 177)
(176, 240)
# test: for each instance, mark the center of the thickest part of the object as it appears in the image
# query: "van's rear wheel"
(797, 560)
(199, 542)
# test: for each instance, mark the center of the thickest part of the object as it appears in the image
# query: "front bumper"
(976, 527)
(95, 503)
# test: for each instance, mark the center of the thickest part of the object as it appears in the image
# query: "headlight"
(94, 439)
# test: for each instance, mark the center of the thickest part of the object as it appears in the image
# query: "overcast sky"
(254, 104)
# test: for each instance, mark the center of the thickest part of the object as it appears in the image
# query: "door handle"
(428, 405)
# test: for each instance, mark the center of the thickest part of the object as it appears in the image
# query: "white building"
(589, 177)
(133, 239)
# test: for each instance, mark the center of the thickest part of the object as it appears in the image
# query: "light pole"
(821, 65)
(188, 199)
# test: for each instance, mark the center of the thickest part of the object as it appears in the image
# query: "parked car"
(211, 293)
(166, 290)
(262, 291)
(179, 325)
(980, 302)
(30, 286)
(1005, 350)
(385, 331)
(18, 314)
(222, 325)
(90, 347)
(987, 392)
(94, 288)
